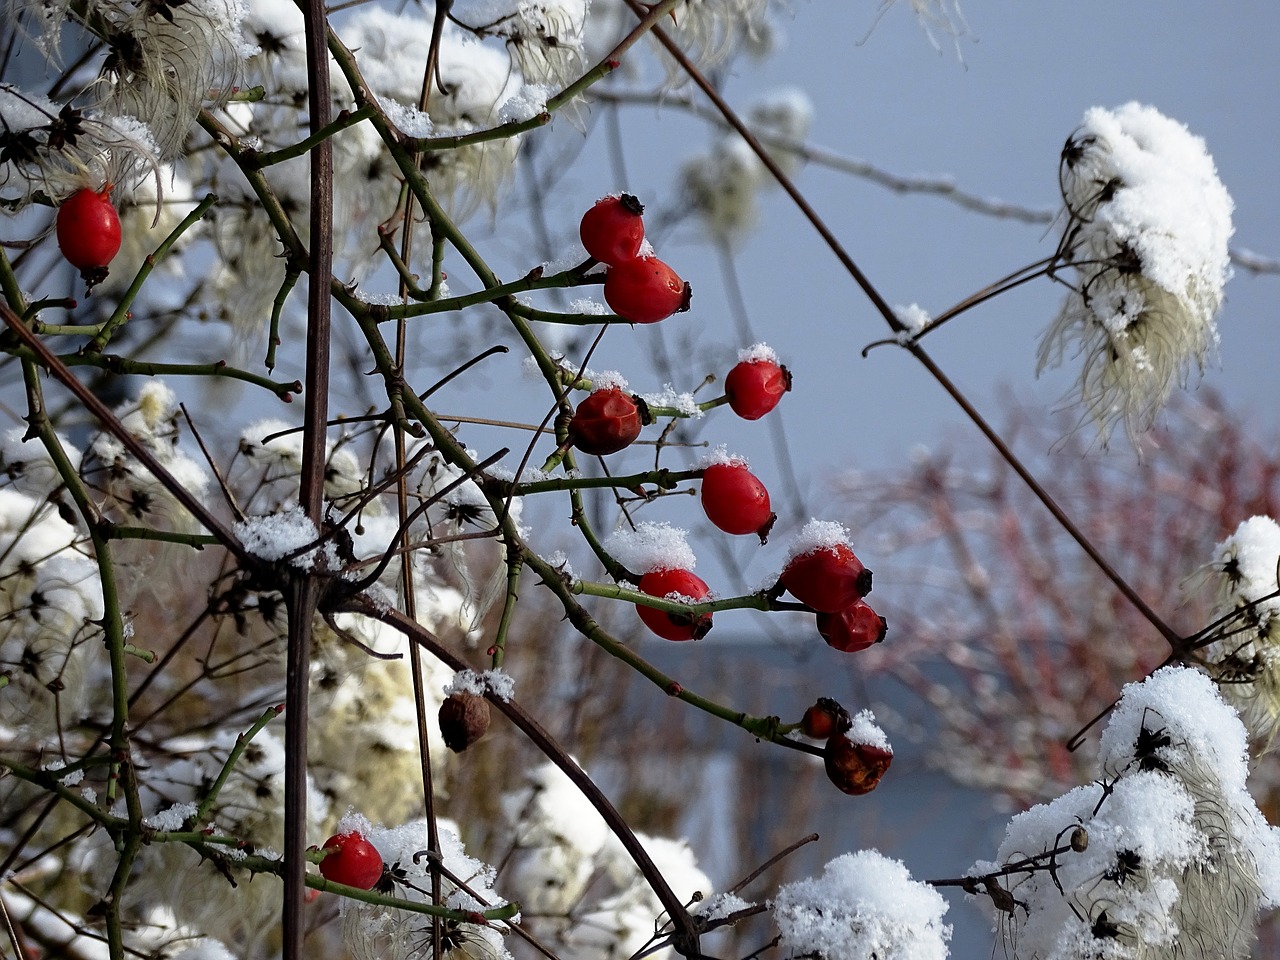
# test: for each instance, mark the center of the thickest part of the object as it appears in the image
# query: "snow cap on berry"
(608, 380)
(865, 730)
(758, 353)
(818, 535)
(721, 456)
(651, 546)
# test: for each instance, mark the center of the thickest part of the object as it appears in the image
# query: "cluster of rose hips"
(88, 230)
(829, 578)
(637, 285)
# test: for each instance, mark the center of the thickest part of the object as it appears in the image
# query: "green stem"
(48, 780)
(663, 479)
(121, 313)
(10, 286)
(342, 121)
(750, 601)
(197, 541)
(145, 368)
(514, 568)
(291, 274)
(242, 741)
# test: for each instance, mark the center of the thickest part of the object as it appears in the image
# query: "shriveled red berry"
(754, 387)
(351, 859)
(613, 230)
(607, 421)
(645, 290)
(856, 768)
(464, 719)
(735, 500)
(854, 628)
(675, 626)
(88, 229)
(825, 719)
(828, 579)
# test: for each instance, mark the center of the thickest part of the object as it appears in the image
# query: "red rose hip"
(88, 230)
(854, 628)
(351, 859)
(674, 626)
(613, 230)
(607, 421)
(828, 578)
(825, 719)
(754, 387)
(645, 290)
(735, 500)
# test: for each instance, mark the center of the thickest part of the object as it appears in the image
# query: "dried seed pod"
(464, 719)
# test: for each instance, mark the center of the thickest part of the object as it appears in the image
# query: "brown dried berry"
(856, 768)
(464, 719)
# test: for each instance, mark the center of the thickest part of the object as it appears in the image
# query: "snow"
(758, 353)
(501, 685)
(817, 535)
(721, 456)
(277, 535)
(913, 317)
(865, 906)
(683, 403)
(651, 546)
(1178, 858)
(172, 818)
(589, 307)
(608, 380)
(410, 121)
(865, 730)
(526, 104)
(720, 906)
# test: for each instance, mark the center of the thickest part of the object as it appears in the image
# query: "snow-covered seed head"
(1146, 228)
(1243, 651)
(1178, 860)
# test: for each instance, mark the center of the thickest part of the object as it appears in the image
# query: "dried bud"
(464, 719)
(856, 768)
(825, 719)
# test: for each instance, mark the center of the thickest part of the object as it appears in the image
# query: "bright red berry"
(856, 768)
(88, 230)
(613, 230)
(607, 421)
(675, 626)
(645, 290)
(825, 719)
(735, 500)
(754, 387)
(351, 859)
(828, 579)
(854, 628)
